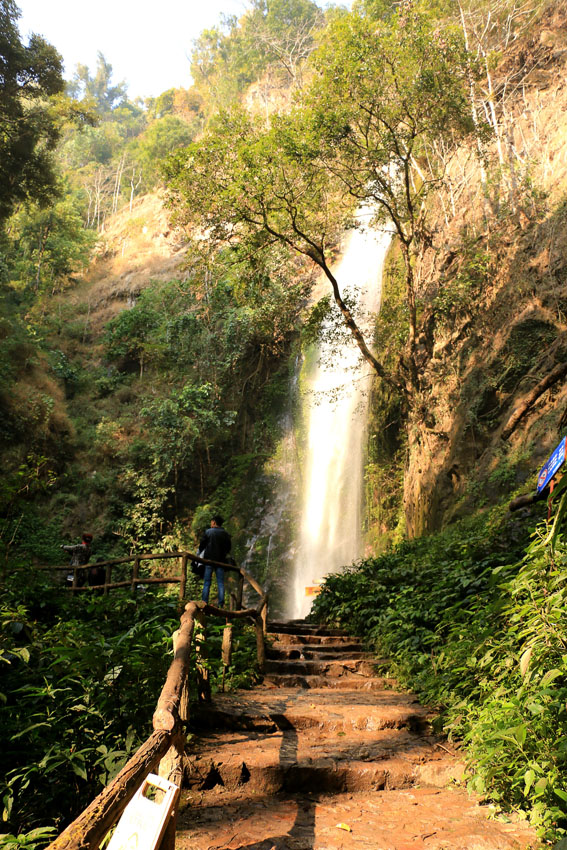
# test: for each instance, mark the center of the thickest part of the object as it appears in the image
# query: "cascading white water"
(331, 503)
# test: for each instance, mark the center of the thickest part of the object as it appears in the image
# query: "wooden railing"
(165, 747)
(135, 579)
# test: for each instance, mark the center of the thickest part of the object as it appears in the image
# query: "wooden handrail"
(128, 583)
(150, 556)
(166, 715)
(89, 829)
(136, 579)
(159, 556)
(166, 744)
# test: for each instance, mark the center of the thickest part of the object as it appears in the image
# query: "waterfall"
(335, 416)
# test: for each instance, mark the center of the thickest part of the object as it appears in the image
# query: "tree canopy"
(98, 87)
(29, 129)
(385, 88)
(389, 88)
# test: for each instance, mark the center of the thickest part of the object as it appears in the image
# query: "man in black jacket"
(215, 546)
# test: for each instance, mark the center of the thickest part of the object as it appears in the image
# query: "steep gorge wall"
(495, 302)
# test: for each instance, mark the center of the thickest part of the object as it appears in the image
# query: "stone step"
(352, 682)
(287, 761)
(332, 669)
(304, 629)
(285, 639)
(406, 819)
(315, 651)
(336, 711)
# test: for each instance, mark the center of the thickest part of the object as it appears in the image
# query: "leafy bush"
(482, 639)
(80, 681)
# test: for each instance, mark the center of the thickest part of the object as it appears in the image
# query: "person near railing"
(80, 554)
(215, 545)
(96, 575)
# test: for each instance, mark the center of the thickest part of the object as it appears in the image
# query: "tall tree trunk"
(44, 233)
(482, 158)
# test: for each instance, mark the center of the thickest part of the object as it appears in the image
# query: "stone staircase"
(325, 754)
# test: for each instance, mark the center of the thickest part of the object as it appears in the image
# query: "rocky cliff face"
(494, 331)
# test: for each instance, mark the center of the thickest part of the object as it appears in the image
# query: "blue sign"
(549, 469)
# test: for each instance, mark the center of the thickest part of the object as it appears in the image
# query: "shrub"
(480, 636)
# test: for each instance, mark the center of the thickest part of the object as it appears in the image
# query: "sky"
(147, 43)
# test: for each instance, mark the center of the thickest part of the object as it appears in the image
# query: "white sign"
(145, 818)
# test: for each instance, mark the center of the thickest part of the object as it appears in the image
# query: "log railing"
(135, 579)
(165, 747)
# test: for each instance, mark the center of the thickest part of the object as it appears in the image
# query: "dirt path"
(324, 756)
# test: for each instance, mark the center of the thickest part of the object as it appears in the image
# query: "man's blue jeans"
(219, 572)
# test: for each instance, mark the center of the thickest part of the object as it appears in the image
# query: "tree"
(162, 136)
(389, 85)
(98, 89)
(386, 86)
(285, 29)
(183, 103)
(253, 188)
(49, 245)
(29, 128)
(221, 65)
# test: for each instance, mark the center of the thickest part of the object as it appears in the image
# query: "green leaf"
(79, 770)
(27, 729)
(525, 660)
(550, 676)
(529, 779)
(519, 733)
(41, 832)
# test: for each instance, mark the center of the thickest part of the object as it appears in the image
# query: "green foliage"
(48, 245)
(270, 38)
(98, 88)
(32, 427)
(185, 103)
(392, 322)
(80, 682)
(461, 291)
(32, 840)
(481, 639)
(205, 351)
(380, 67)
(355, 138)
(128, 335)
(93, 145)
(161, 138)
(312, 328)
(28, 128)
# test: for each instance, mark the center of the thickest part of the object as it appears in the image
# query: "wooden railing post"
(170, 716)
(260, 645)
(239, 592)
(89, 829)
(203, 681)
(183, 582)
(264, 615)
(226, 650)
(107, 578)
(135, 575)
(171, 765)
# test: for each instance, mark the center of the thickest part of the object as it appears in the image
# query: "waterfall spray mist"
(330, 534)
